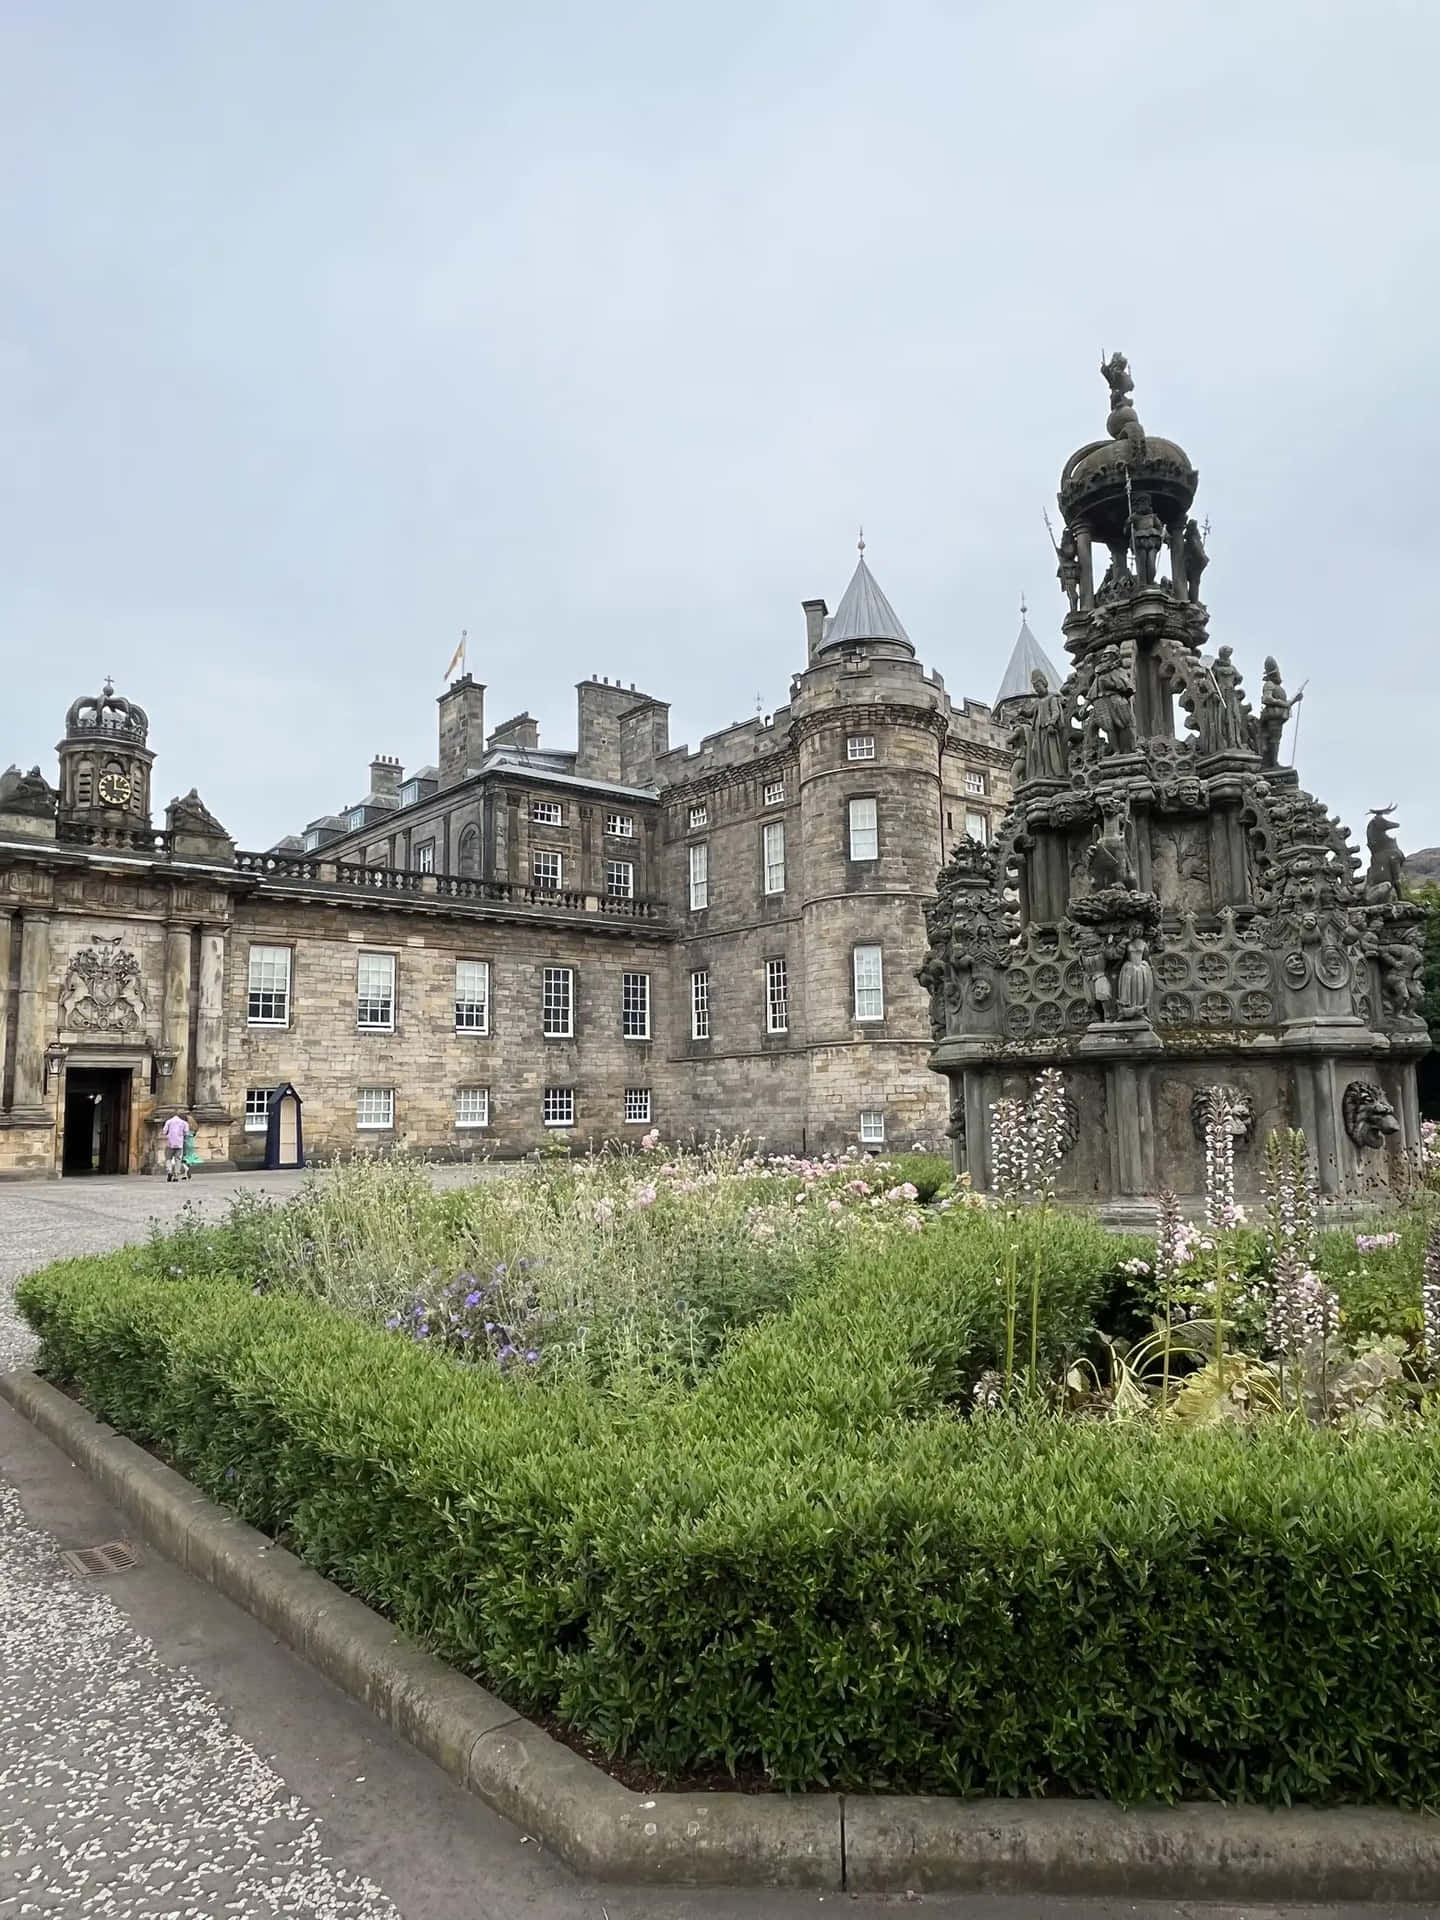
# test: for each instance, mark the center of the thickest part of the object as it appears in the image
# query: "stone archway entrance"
(97, 1120)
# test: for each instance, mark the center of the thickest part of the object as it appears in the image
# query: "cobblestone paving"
(121, 1791)
(45, 1220)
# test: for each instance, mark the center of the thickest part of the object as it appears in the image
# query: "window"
(409, 793)
(557, 1107)
(546, 813)
(977, 827)
(773, 838)
(620, 879)
(269, 1002)
(699, 816)
(637, 1106)
(773, 795)
(355, 818)
(375, 1107)
(312, 839)
(257, 1108)
(974, 782)
(472, 996)
(777, 997)
(872, 1129)
(375, 991)
(864, 831)
(635, 1006)
(699, 877)
(869, 984)
(860, 746)
(425, 856)
(472, 1106)
(557, 999)
(545, 870)
(700, 1004)
(470, 853)
(620, 826)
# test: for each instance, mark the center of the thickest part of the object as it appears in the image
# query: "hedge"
(812, 1568)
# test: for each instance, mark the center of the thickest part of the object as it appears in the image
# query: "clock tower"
(105, 764)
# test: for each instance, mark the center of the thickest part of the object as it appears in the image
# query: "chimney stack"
(386, 773)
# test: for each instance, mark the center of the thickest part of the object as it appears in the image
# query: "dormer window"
(355, 819)
(312, 839)
(409, 793)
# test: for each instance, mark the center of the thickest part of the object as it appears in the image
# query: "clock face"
(114, 789)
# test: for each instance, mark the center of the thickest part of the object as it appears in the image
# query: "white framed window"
(409, 793)
(699, 816)
(268, 1003)
(375, 1108)
(257, 1108)
(864, 829)
(355, 818)
(869, 984)
(557, 1107)
(620, 879)
(472, 1106)
(635, 1006)
(977, 827)
(545, 869)
(620, 826)
(547, 813)
(637, 1106)
(773, 794)
(375, 991)
(974, 782)
(777, 997)
(425, 856)
(557, 1003)
(472, 996)
(860, 746)
(872, 1128)
(773, 848)
(700, 1004)
(312, 839)
(699, 876)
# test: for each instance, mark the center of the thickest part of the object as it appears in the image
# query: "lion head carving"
(1242, 1113)
(1369, 1118)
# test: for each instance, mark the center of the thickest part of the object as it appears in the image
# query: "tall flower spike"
(1220, 1161)
(1430, 1298)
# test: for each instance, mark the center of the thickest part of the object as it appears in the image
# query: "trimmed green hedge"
(811, 1566)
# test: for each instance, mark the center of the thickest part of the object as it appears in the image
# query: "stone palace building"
(512, 943)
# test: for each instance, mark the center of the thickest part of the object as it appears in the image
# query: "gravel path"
(122, 1792)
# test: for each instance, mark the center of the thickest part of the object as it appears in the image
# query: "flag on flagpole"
(457, 659)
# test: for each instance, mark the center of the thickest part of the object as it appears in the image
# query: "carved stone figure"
(27, 793)
(190, 815)
(1275, 711)
(1108, 862)
(1147, 537)
(1111, 710)
(1387, 863)
(1196, 560)
(1048, 756)
(1233, 714)
(1369, 1118)
(1239, 1105)
(1067, 572)
(1122, 423)
(101, 990)
(1137, 982)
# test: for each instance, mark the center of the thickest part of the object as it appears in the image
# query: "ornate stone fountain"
(1165, 909)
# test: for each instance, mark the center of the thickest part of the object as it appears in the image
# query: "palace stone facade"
(511, 943)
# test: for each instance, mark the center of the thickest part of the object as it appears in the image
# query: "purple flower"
(532, 1356)
(393, 1321)
(472, 1299)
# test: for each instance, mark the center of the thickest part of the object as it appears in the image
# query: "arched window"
(470, 853)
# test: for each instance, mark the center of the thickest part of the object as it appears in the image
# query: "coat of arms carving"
(101, 990)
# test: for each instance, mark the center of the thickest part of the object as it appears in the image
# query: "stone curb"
(866, 1843)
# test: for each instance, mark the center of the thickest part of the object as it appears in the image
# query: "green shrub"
(809, 1566)
(1379, 1289)
(929, 1173)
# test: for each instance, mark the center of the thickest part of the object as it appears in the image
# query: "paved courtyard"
(162, 1757)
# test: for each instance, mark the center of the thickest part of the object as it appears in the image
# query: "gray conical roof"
(864, 613)
(1028, 655)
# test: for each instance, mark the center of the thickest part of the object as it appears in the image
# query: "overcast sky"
(330, 329)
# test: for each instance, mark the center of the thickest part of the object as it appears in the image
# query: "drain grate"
(115, 1556)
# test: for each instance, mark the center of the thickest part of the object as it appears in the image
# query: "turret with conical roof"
(864, 617)
(1027, 658)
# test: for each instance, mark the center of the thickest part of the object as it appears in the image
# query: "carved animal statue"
(1242, 1112)
(1387, 863)
(1108, 862)
(1369, 1118)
